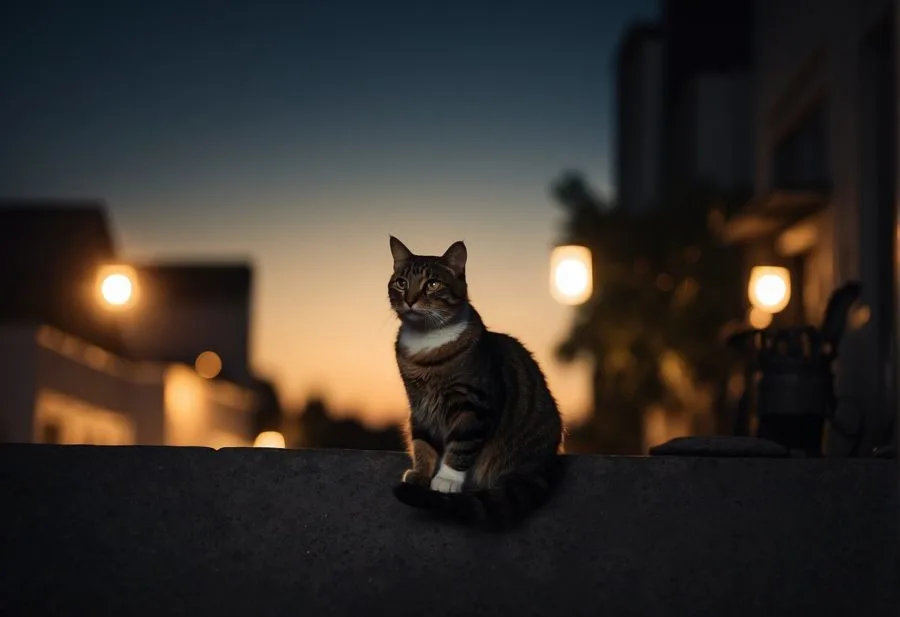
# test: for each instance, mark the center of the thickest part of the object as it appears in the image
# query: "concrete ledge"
(187, 531)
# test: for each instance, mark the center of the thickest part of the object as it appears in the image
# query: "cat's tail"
(514, 497)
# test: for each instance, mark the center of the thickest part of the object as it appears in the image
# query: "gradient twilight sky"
(302, 134)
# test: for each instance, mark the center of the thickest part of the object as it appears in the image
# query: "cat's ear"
(399, 251)
(455, 257)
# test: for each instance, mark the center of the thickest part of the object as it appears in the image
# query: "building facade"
(683, 100)
(187, 309)
(684, 135)
(707, 63)
(77, 367)
(825, 206)
(63, 390)
(638, 114)
(711, 133)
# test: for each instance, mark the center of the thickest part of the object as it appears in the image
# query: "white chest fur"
(414, 342)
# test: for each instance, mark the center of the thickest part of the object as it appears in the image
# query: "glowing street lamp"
(117, 289)
(117, 286)
(769, 288)
(571, 274)
(269, 439)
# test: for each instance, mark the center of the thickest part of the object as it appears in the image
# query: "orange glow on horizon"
(324, 326)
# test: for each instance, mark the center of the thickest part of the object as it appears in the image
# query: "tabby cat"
(484, 431)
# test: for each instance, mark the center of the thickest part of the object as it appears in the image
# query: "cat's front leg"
(463, 444)
(424, 461)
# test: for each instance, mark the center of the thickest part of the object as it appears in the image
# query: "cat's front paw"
(411, 476)
(448, 480)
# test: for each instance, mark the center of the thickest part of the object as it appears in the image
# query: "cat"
(484, 431)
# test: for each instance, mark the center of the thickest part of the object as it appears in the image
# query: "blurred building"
(638, 116)
(825, 126)
(707, 121)
(167, 367)
(188, 309)
(50, 254)
(58, 388)
(684, 121)
(683, 103)
(199, 314)
(684, 100)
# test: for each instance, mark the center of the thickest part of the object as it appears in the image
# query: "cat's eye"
(433, 285)
(400, 284)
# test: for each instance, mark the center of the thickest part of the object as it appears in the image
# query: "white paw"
(448, 480)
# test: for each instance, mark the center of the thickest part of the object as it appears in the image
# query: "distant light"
(117, 286)
(208, 364)
(860, 317)
(269, 439)
(759, 318)
(769, 288)
(665, 282)
(571, 277)
(117, 289)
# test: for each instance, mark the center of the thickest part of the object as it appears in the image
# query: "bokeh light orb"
(759, 318)
(208, 364)
(269, 439)
(571, 277)
(769, 288)
(117, 289)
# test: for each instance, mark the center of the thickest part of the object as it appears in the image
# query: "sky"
(300, 135)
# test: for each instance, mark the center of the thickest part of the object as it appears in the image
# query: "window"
(801, 155)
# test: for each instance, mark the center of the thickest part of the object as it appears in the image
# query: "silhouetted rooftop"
(636, 34)
(50, 253)
(198, 282)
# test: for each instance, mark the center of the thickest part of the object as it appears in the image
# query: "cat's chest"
(428, 401)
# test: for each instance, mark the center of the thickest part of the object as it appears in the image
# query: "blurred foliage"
(664, 288)
(317, 428)
(269, 415)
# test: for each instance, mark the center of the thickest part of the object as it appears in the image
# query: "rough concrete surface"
(158, 531)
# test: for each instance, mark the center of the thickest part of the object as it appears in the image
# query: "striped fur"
(484, 431)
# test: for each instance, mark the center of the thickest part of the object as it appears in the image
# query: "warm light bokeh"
(307, 175)
(116, 286)
(269, 439)
(199, 412)
(571, 277)
(116, 289)
(769, 288)
(324, 326)
(759, 318)
(208, 364)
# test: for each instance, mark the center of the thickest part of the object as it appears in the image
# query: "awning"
(771, 214)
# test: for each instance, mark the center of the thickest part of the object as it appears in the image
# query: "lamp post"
(571, 274)
(795, 390)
